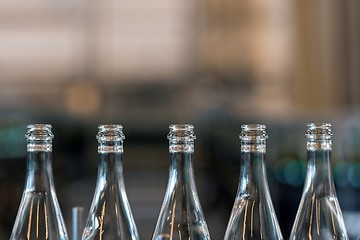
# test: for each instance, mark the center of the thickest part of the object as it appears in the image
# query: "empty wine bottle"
(319, 215)
(110, 215)
(181, 216)
(253, 216)
(39, 215)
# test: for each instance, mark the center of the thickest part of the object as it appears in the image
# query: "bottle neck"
(39, 171)
(110, 169)
(319, 171)
(110, 149)
(253, 169)
(181, 166)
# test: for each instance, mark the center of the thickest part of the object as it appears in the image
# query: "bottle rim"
(39, 131)
(39, 125)
(110, 132)
(106, 127)
(253, 127)
(181, 127)
(315, 125)
(319, 131)
(181, 133)
(253, 132)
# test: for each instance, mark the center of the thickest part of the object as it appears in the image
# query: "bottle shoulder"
(110, 215)
(320, 217)
(181, 215)
(253, 218)
(39, 217)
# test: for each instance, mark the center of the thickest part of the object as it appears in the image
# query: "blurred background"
(146, 64)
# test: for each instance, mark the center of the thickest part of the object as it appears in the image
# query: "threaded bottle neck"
(39, 146)
(253, 138)
(110, 138)
(181, 138)
(319, 136)
(39, 138)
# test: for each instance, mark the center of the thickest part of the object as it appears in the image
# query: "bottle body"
(181, 216)
(253, 215)
(39, 215)
(110, 215)
(319, 214)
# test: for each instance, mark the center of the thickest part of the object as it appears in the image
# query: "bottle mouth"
(181, 133)
(253, 132)
(110, 132)
(319, 131)
(39, 137)
(39, 132)
(181, 127)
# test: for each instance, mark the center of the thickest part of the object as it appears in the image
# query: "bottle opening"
(110, 132)
(181, 127)
(39, 132)
(181, 133)
(253, 132)
(181, 138)
(319, 136)
(253, 127)
(39, 137)
(319, 131)
(253, 138)
(110, 138)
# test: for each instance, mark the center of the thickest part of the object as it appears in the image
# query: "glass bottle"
(39, 215)
(253, 216)
(110, 215)
(181, 216)
(319, 215)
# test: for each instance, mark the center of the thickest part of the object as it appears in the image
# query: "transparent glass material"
(253, 215)
(319, 215)
(110, 216)
(39, 216)
(181, 216)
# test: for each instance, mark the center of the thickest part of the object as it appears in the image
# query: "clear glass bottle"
(110, 215)
(39, 215)
(319, 215)
(253, 216)
(181, 216)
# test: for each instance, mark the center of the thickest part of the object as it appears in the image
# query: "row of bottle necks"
(181, 217)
